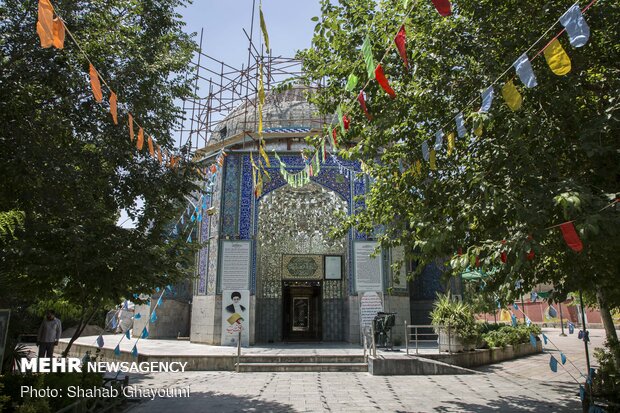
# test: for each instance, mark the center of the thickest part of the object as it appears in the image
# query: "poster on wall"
(398, 279)
(5, 315)
(235, 317)
(368, 274)
(371, 303)
(333, 267)
(235, 265)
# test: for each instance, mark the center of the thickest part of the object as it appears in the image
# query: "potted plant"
(455, 324)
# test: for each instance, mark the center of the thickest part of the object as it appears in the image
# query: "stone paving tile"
(523, 385)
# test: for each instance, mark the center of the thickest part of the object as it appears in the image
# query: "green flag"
(263, 26)
(351, 83)
(370, 61)
(340, 119)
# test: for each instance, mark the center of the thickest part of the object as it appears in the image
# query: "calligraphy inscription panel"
(302, 267)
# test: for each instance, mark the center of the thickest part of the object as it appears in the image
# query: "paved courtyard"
(523, 385)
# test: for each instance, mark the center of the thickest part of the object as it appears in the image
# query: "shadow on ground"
(200, 402)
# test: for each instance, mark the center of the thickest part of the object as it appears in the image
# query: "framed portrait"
(333, 267)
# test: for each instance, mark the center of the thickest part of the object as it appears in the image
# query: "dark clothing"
(46, 350)
(231, 308)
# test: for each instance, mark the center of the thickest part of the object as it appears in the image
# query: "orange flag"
(95, 84)
(114, 111)
(131, 136)
(45, 23)
(140, 142)
(58, 31)
(151, 149)
(159, 157)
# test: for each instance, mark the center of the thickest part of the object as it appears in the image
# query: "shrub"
(457, 315)
(508, 335)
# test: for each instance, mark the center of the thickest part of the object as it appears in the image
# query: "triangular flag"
(370, 61)
(425, 153)
(418, 167)
(533, 340)
(140, 141)
(153, 314)
(528, 322)
(334, 138)
(58, 30)
(361, 99)
(128, 335)
(95, 84)
(523, 66)
(400, 41)
(460, 125)
(515, 306)
(563, 358)
(341, 119)
(385, 85)
(545, 339)
(145, 333)
(137, 316)
(443, 7)
(512, 96)
(117, 350)
(45, 23)
(351, 83)
(346, 122)
(571, 237)
(113, 107)
(100, 341)
(438, 140)
(159, 157)
(131, 135)
(576, 27)
(451, 140)
(557, 59)
(134, 350)
(487, 99)
(263, 27)
(151, 147)
(514, 320)
(159, 300)
(553, 364)
(432, 160)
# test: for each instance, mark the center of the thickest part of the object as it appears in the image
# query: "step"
(301, 358)
(302, 367)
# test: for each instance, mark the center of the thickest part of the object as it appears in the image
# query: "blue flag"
(576, 27)
(128, 335)
(582, 392)
(515, 306)
(156, 289)
(528, 322)
(425, 152)
(100, 341)
(571, 328)
(145, 333)
(460, 125)
(563, 358)
(553, 364)
(533, 340)
(438, 140)
(514, 320)
(533, 296)
(137, 316)
(545, 338)
(169, 287)
(134, 351)
(153, 317)
(159, 301)
(523, 66)
(136, 295)
(117, 350)
(487, 99)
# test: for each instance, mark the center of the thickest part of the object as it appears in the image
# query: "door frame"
(316, 301)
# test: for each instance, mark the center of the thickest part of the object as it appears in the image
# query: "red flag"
(362, 102)
(504, 256)
(346, 122)
(385, 85)
(571, 237)
(477, 261)
(334, 138)
(443, 7)
(400, 45)
(530, 256)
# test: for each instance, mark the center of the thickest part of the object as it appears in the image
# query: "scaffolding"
(222, 93)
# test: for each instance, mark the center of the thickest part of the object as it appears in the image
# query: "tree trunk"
(79, 330)
(608, 323)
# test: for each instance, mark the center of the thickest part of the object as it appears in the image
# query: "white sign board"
(368, 274)
(235, 265)
(370, 304)
(235, 317)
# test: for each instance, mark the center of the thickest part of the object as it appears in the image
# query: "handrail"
(414, 330)
(238, 351)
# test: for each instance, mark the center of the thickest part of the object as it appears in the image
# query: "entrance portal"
(301, 310)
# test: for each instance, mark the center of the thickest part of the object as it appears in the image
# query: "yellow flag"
(418, 168)
(140, 142)
(45, 23)
(159, 157)
(261, 149)
(131, 135)
(512, 96)
(58, 31)
(557, 59)
(151, 148)
(432, 160)
(478, 130)
(450, 143)
(263, 27)
(261, 100)
(95, 84)
(113, 108)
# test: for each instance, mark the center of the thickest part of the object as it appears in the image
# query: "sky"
(288, 24)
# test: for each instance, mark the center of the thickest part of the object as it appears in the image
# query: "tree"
(71, 170)
(507, 186)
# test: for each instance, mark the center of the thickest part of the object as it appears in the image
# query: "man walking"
(49, 334)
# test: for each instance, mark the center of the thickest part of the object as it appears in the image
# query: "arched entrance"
(293, 300)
